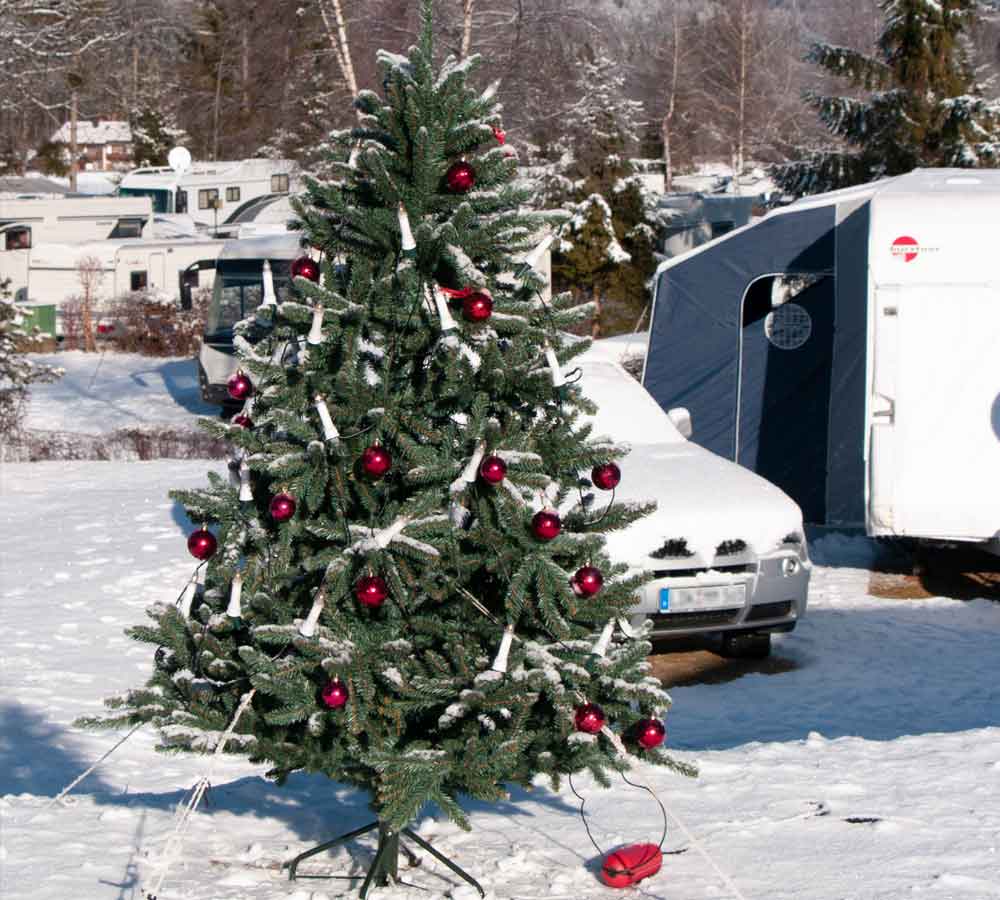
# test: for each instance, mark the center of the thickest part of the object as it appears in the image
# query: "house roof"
(16, 185)
(100, 132)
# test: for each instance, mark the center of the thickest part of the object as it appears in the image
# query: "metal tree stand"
(386, 863)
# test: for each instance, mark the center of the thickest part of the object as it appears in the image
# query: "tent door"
(939, 455)
(786, 358)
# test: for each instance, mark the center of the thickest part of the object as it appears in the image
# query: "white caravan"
(121, 267)
(845, 348)
(210, 192)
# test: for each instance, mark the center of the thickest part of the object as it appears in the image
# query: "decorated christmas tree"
(915, 102)
(403, 583)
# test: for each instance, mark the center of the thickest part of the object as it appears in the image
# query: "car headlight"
(790, 566)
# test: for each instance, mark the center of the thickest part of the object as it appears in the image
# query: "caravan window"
(207, 198)
(182, 201)
(127, 228)
(279, 184)
(160, 197)
(232, 195)
(137, 281)
(17, 239)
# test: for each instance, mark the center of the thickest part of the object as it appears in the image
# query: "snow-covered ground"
(869, 769)
(102, 392)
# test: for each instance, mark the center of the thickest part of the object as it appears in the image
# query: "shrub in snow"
(17, 371)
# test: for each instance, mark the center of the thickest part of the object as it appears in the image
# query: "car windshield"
(160, 198)
(238, 291)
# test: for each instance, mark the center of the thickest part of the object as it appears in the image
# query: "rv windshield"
(161, 197)
(238, 291)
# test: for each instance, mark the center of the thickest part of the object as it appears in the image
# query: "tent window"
(768, 293)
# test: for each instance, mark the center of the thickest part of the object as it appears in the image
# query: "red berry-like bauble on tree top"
(282, 507)
(587, 582)
(460, 177)
(334, 693)
(649, 733)
(546, 525)
(589, 718)
(371, 591)
(202, 544)
(239, 386)
(375, 461)
(500, 135)
(493, 470)
(606, 476)
(304, 267)
(477, 307)
(242, 421)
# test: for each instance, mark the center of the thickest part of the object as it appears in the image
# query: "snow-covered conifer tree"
(405, 574)
(924, 106)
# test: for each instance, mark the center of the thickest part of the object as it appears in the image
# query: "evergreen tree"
(17, 371)
(404, 582)
(922, 105)
(606, 256)
(155, 132)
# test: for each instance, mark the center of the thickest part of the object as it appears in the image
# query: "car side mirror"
(682, 420)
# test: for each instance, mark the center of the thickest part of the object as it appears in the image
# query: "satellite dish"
(179, 159)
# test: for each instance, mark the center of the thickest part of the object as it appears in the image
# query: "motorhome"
(210, 191)
(844, 347)
(53, 272)
(69, 219)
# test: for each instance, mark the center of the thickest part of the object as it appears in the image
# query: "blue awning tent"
(761, 335)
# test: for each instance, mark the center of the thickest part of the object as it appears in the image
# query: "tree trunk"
(741, 124)
(666, 128)
(467, 6)
(245, 66)
(336, 32)
(595, 322)
(215, 112)
(388, 849)
(74, 99)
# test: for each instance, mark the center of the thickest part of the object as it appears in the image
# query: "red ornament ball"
(500, 135)
(239, 386)
(202, 544)
(460, 177)
(282, 507)
(546, 525)
(589, 718)
(375, 461)
(371, 591)
(606, 476)
(649, 733)
(304, 267)
(242, 421)
(587, 582)
(477, 307)
(334, 693)
(493, 470)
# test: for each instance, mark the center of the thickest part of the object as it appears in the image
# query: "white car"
(726, 547)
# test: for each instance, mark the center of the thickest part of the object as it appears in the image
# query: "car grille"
(769, 611)
(734, 569)
(662, 621)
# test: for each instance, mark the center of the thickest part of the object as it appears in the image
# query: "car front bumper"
(757, 596)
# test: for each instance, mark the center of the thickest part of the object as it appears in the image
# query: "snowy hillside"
(868, 769)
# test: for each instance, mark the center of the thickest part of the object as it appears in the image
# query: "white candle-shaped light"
(604, 641)
(500, 663)
(234, 610)
(444, 314)
(330, 432)
(535, 257)
(471, 470)
(308, 627)
(408, 243)
(316, 329)
(193, 589)
(270, 298)
(550, 357)
(246, 491)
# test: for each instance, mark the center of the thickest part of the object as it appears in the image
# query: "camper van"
(53, 271)
(237, 291)
(66, 219)
(210, 192)
(844, 347)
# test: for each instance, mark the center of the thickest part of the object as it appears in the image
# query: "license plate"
(695, 598)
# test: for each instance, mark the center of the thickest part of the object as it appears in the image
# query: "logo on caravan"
(907, 249)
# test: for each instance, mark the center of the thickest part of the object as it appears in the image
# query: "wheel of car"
(746, 646)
